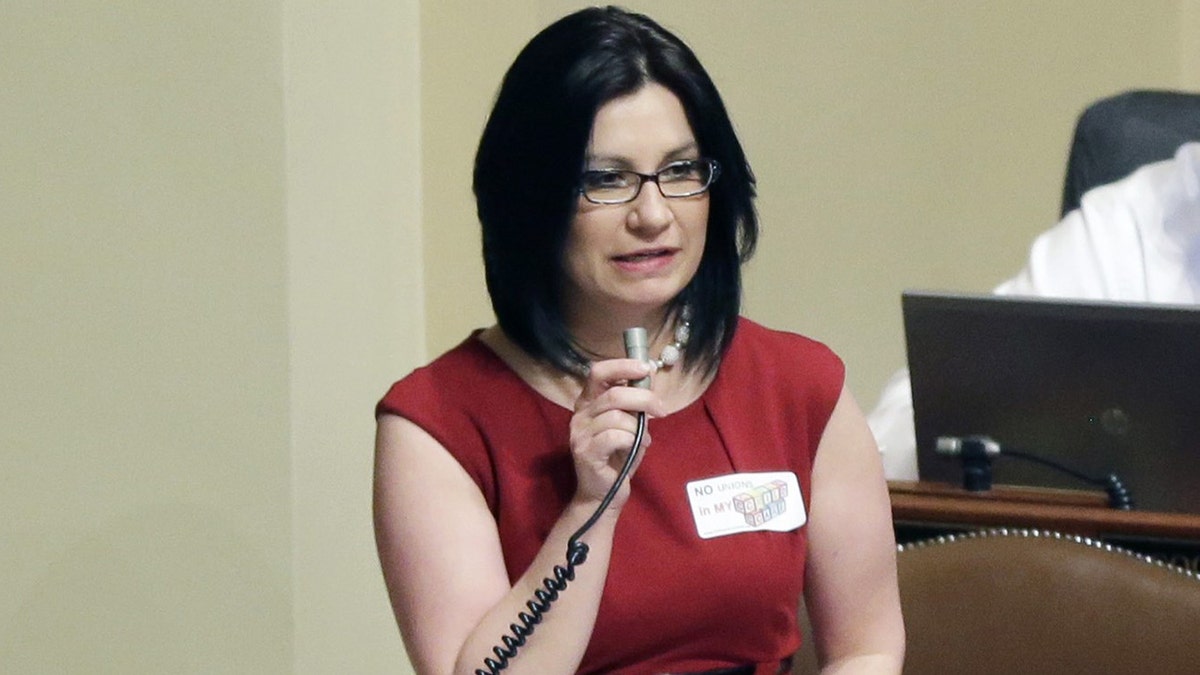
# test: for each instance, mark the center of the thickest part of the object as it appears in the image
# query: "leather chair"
(1117, 134)
(1028, 601)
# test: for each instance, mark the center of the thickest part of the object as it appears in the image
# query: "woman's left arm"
(850, 582)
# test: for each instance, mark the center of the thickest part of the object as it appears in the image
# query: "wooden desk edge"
(1063, 510)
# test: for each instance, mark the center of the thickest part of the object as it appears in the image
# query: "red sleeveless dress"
(673, 602)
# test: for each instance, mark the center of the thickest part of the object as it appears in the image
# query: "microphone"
(976, 453)
(955, 446)
(637, 346)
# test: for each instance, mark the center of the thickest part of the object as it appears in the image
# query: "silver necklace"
(671, 353)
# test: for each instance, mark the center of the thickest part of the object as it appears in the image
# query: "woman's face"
(637, 256)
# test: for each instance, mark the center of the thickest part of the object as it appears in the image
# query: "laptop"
(1094, 386)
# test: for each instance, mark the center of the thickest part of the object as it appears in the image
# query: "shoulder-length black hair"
(531, 155)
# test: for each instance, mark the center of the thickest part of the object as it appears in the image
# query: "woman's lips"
(643, 255)
(649, 260)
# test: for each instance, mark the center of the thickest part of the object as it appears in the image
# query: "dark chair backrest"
(1116, 135)
(1029, 601)
(1025, 601)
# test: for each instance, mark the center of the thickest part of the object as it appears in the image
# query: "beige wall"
(145, 479)
(209, 271)
(356, 306)
(1189, 44)
(226, 227)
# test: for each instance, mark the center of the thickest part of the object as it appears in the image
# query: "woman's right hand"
(604, 426)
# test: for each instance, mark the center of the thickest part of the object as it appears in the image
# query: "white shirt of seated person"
(1134, 240)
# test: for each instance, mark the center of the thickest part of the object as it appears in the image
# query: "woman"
(613, 193)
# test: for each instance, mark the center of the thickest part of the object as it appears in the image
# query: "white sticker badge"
(746, 502)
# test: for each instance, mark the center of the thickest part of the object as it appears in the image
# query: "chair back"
(1032, 601)
(1116, 135)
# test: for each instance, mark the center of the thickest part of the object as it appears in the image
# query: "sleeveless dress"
(673, 602)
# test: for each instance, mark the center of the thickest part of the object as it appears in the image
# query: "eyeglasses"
(685, 178)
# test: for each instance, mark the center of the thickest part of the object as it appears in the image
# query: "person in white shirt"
(1134, 240)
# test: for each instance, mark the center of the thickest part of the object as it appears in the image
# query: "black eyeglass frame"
(714, 172)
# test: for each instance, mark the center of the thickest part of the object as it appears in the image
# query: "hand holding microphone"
(608, 430)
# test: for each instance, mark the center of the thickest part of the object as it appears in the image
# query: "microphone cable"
(1119, 496)
(577, 552)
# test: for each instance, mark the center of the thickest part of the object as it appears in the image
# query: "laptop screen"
(1098, 387)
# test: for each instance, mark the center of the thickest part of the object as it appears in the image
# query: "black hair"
(532, 152)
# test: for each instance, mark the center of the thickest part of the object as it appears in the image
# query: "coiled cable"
(577, 552)
(1119, 496)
